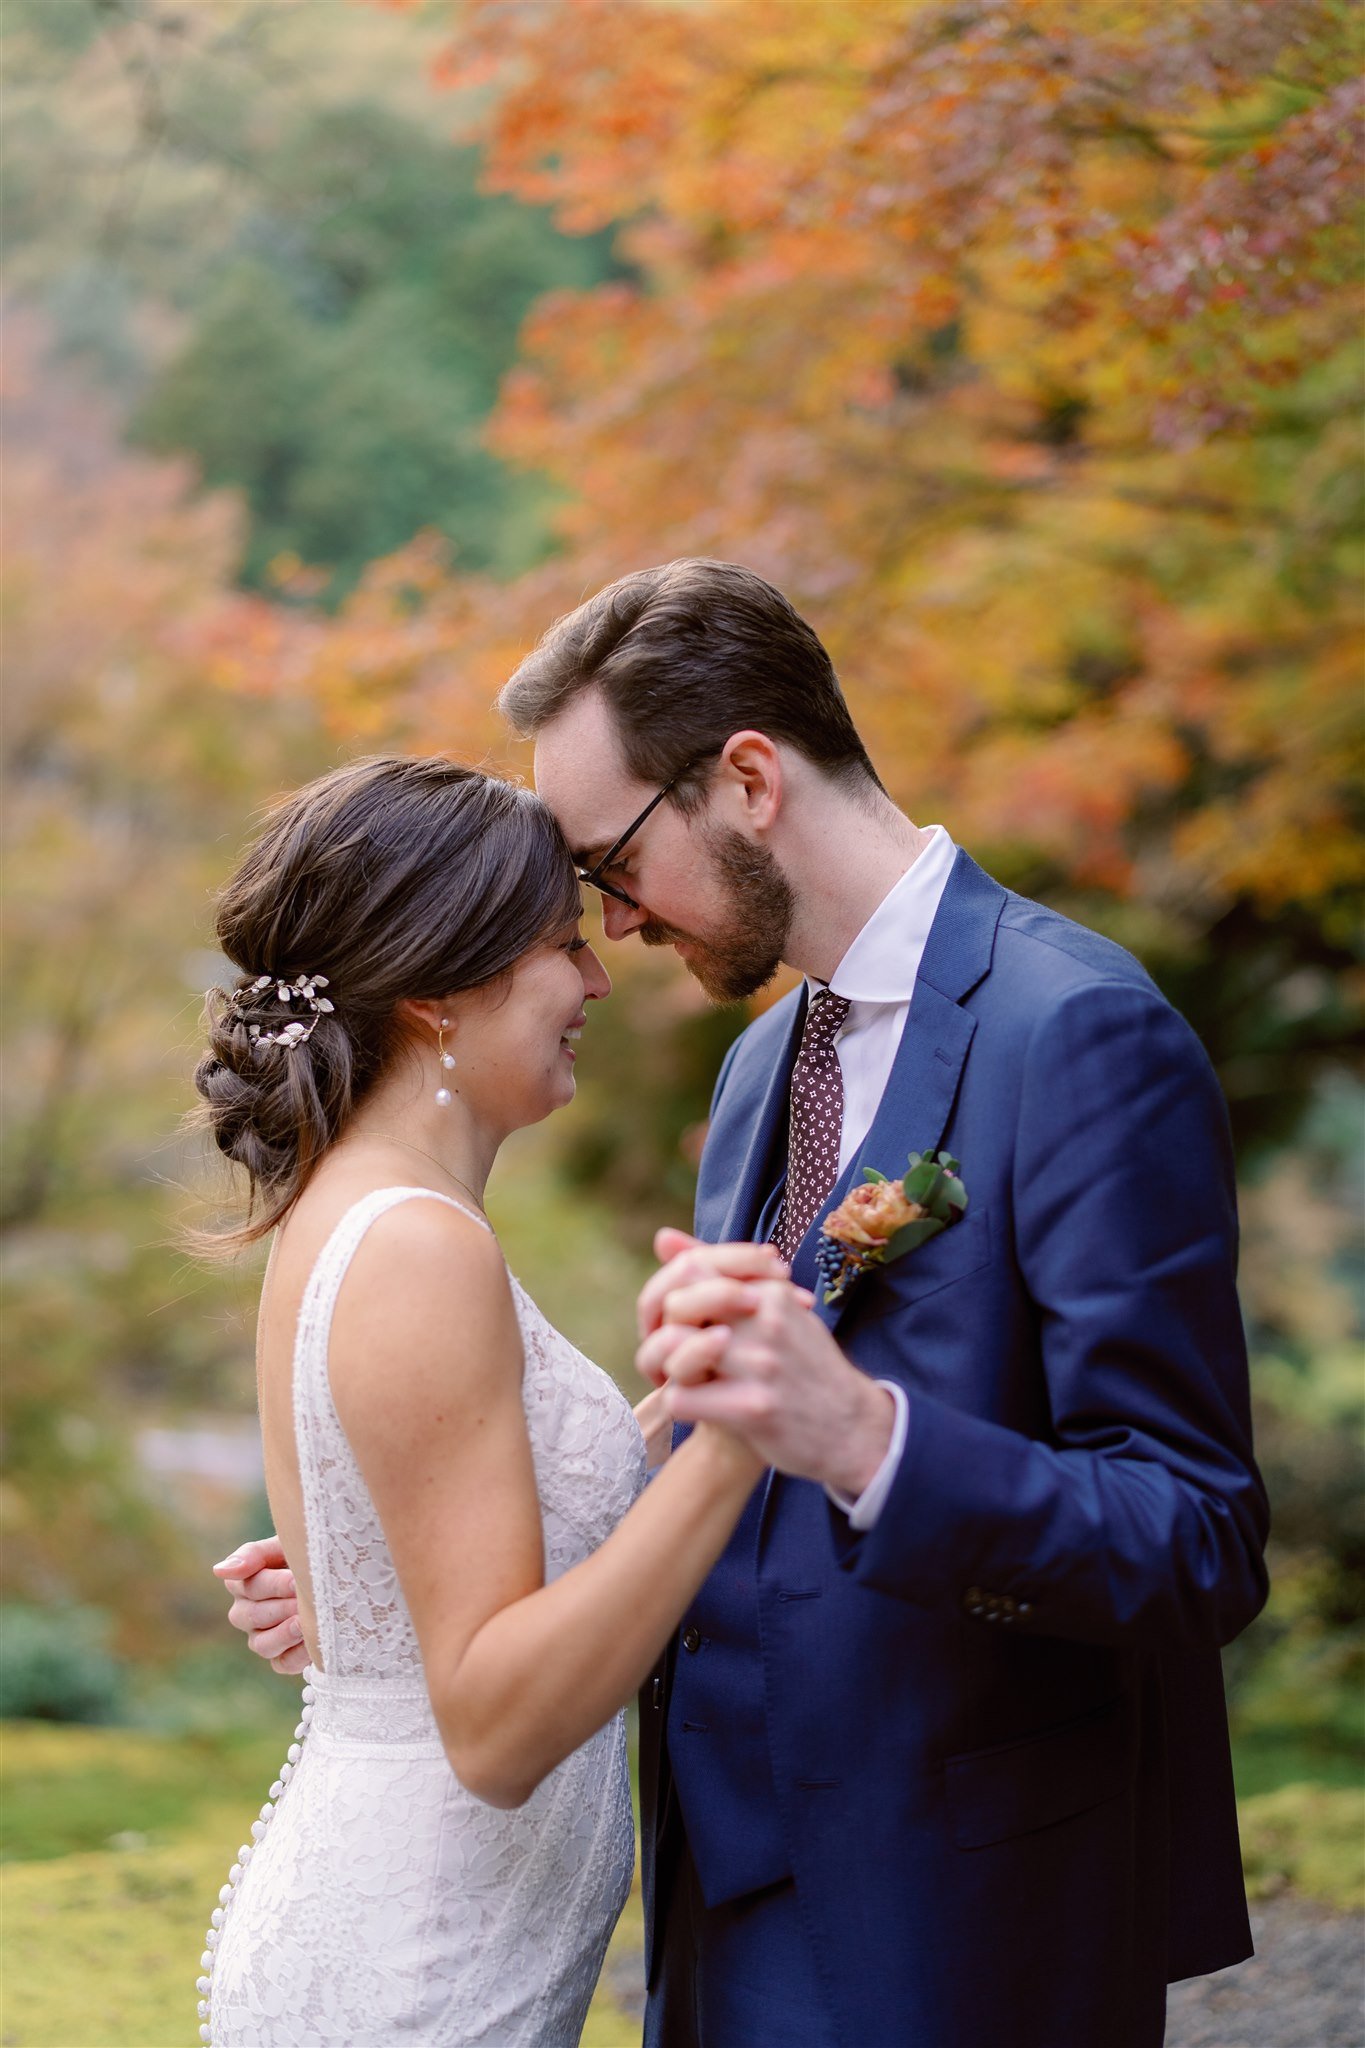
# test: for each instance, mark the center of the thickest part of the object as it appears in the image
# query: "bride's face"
(515, 1044)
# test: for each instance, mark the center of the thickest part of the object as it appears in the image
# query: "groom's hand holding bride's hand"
(264, 1603)
(733, 1341)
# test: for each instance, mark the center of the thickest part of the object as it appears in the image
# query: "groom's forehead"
(582, 777)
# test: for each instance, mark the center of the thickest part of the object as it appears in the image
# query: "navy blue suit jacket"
(995, 1722)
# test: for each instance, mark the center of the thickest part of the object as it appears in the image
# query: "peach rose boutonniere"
(884, 1219)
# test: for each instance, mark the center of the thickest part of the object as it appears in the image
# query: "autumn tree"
(128, 785)
(1018, 343)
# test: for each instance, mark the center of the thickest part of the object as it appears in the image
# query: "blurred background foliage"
(346, 344)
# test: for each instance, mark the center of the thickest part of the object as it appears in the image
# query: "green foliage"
(64, 1797)
(295, 276)
(55, 1665)
(340, 369)
(63, 25)
(1307, 1837)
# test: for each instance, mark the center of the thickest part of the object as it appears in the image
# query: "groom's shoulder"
(761, 1042)
(1042, 955)
(1055, 984)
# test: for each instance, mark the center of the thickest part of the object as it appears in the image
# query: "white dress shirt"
(877, 976)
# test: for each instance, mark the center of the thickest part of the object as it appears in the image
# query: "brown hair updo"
(393, 877)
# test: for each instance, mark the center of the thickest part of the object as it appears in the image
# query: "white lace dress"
(379, 1901)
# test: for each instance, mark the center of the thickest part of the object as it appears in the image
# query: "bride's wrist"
(729, 1455)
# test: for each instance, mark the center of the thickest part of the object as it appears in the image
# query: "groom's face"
(700, 884)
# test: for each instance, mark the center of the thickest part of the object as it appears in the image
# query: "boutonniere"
(887, 1218)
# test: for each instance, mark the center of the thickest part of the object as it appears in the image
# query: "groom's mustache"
(652, 933)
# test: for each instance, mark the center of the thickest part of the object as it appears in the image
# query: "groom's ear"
(754, 767)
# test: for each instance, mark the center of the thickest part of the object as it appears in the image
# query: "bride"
(487, 1578)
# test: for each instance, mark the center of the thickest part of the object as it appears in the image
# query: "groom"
(939, 1758)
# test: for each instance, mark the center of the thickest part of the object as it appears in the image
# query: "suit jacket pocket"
(1018, 1787)
(960, 1249)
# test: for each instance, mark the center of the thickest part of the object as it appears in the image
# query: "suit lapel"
(912, 1113)
(753, 1182)
(922, 1087)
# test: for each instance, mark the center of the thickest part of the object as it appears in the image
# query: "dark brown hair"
(687, 654)
(395, 878)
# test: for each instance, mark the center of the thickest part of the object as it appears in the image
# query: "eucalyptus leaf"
(911, 1235)
(871, 1173)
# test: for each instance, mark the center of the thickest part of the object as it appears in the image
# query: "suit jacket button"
(691, 1640)
(974, 1600)
(1024, 1608)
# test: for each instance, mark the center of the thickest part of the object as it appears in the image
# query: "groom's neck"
(842, 854)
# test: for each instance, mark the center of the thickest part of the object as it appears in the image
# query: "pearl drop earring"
(447, 1059)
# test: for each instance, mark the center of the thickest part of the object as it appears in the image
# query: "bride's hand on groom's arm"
(656, 1427)
(264, 1603)
(731, 1340)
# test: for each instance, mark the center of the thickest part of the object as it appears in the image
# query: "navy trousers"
(738, 1975)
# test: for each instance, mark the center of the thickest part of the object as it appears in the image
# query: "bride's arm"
(656, 1427)
(426, 1366)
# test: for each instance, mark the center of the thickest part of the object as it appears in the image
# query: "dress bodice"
(587, 1450)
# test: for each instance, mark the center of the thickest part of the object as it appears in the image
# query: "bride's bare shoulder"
(422, 1256)
(422, 1216)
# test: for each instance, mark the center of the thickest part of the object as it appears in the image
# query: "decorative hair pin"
(305, 990)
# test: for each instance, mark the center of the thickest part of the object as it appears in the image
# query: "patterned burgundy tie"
(817, 1121)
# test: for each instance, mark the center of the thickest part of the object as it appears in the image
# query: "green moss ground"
(116, 1844)
(117, 1841)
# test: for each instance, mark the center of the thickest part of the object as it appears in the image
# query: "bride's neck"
(404, 1113)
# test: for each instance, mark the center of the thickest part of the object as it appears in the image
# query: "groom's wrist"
(859, 1451)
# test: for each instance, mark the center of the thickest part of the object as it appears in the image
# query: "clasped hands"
(731, 1339)
(726, 1338)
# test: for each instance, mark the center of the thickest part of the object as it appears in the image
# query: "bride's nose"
(596, 980)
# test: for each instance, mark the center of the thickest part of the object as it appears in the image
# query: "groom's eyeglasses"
(593, 875)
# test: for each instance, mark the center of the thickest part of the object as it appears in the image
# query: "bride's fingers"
(712, 1301)
(668, 1242)
(256, 1615)
(700, 1356)
(654, 1358)
(273, 1585)
(701, 1262)
(274, 1642)
(262, 1553)
(739, 1404)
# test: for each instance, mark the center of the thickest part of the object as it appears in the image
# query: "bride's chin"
(561, 1092)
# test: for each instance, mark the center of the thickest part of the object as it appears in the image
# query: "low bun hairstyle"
(395, 878)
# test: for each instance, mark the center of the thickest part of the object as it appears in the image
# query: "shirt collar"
(881, 964)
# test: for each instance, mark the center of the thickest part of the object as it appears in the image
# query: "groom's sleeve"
(1142, 1515)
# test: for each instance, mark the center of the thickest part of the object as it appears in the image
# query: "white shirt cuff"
(863, 1511)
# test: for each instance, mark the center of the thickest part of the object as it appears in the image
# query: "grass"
(117, 1841)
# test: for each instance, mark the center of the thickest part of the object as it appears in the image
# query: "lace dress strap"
(318, 1434)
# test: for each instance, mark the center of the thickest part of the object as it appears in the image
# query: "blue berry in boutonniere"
(884, 1219)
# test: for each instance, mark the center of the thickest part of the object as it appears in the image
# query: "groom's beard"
(741, 959)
